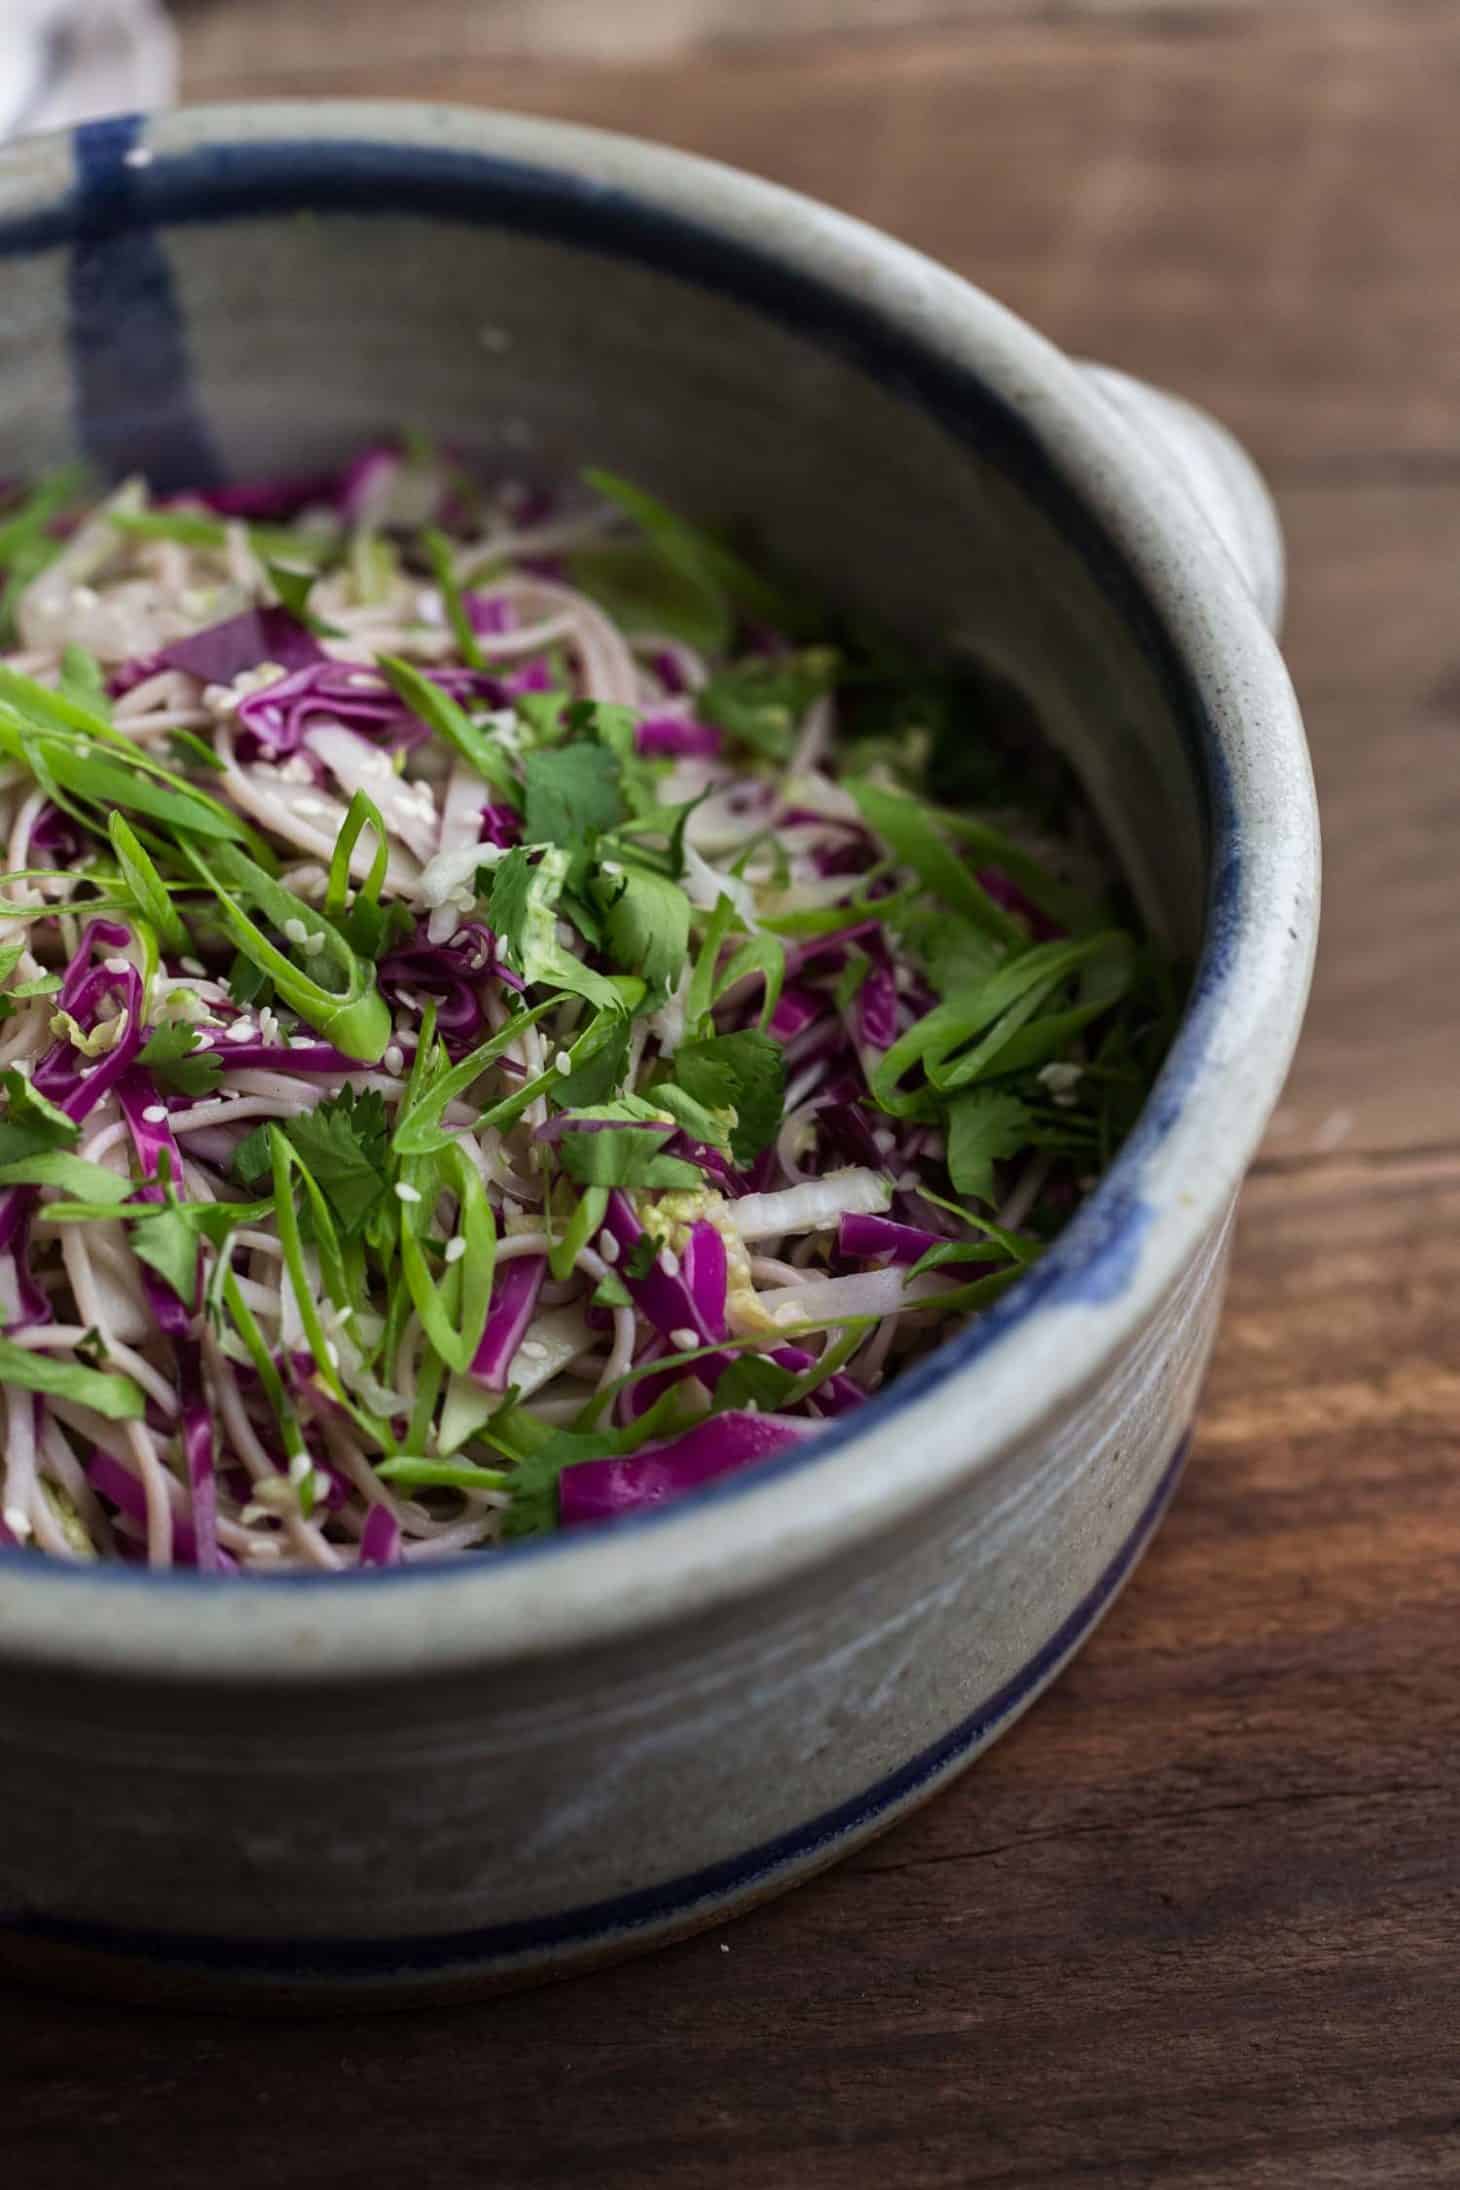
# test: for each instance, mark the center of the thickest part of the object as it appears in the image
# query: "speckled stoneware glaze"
(416, 1781)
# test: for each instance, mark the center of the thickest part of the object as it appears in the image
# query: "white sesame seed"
(563, 1063)
(140, 155)
(296, 930)
(394, 1059)
(333, 1351)
(23, 1066)
(787, 1315)
(908, 1182)
(309, 806)
(155, 1114)
(684, 1338)
(532, 1349)
(193, 966)
(455, 1249)
(17, 1522)
(608, 1246)
(611, 866)
(301, 1041)
(312, 945)
(885, 1139)
(300, 1467)
(669, 1262)
(406, 1193)
(242, 1030)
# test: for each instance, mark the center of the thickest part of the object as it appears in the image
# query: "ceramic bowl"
(514, 1765)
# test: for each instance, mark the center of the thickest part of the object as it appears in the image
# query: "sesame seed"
(608, 1246)
(394, 1059)
(242, 1030)
(117, 965)
(17, 1521)
(140, 155)
(684, 1338)
(301, 1041)
(300, 1467)
(532, 1349)
(312, 945)
(296, 930)
(155, 1114)
(908, 1182)
(885, 1139)
(193, 966)
(309, 806)
(455, 1249)
(406, 1193)
(669, 1262)
(787, 1315)
(563, 1063)
(611, 866)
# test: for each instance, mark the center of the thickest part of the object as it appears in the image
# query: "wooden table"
(1196, 1921)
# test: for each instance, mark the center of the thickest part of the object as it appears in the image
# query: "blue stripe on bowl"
(671, 1906)
(117, 208)
(132, 382)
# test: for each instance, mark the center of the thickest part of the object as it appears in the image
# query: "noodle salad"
(506, 1014)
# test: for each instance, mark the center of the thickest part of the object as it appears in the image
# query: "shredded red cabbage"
(597, 1490)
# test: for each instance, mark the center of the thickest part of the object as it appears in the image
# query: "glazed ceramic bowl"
(512, 1765)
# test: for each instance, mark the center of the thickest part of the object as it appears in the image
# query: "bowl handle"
(1217, 473)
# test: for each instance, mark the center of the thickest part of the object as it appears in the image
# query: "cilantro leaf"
(571, 792)
(625, 1155)
(168, 1244)
(175, 1062)
(955, 954)
(29, 1112)
(648, 920)
(523, 913)
(743, 1072)
(345, 1144)
(597, 1078)
(711, 1126)
(611, 1292)
(984, 1126)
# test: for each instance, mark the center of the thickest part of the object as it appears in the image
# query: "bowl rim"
(1171, 1185)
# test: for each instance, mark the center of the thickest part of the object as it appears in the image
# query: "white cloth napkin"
(65, 61)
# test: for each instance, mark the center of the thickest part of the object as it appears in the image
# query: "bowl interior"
(261, 307)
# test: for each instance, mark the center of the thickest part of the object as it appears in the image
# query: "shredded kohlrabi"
(507, 1013)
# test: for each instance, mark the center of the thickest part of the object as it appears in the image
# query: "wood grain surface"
(1196, 1921)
